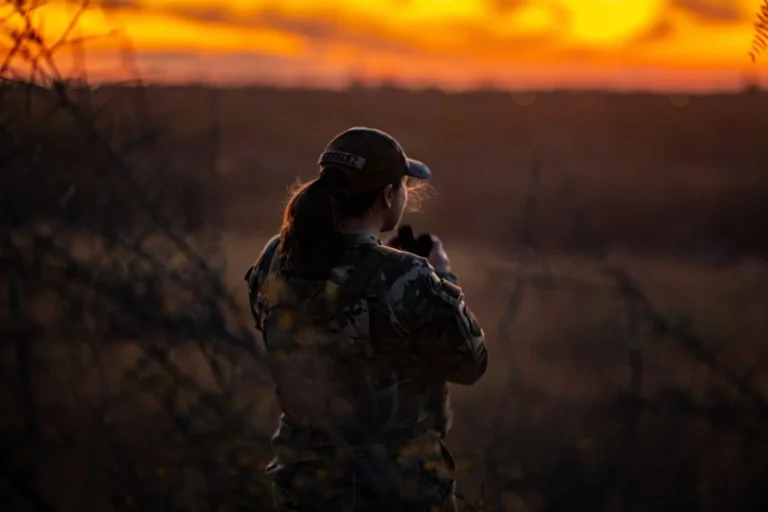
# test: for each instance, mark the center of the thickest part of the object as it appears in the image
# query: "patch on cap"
(339, 157)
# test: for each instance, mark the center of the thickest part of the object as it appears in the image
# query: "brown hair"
(311, 236)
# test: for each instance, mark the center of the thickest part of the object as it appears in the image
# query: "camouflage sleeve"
(433, 313)
(448, 276)
(255, 277)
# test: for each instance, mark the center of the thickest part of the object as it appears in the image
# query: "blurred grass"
(676, 196)
(571, 352)
(648, 176)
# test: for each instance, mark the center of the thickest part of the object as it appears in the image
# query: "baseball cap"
(370, 158)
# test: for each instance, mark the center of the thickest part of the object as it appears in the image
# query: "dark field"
(612, 246)
(638, 172)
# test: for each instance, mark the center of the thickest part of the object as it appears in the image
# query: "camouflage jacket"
(373, 372)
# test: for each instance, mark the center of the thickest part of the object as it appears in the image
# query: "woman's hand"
(438, 258)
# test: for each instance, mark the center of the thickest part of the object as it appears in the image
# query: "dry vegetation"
(612, 246)
(647, 175)
(672, 196)
(567, 354)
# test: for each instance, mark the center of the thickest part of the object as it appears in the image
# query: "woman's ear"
(389, 194)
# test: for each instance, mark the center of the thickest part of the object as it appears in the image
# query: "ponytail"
(312, 236)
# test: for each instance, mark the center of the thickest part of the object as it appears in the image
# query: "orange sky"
(669, 44)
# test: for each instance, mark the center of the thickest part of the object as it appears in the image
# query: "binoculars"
(405, 240)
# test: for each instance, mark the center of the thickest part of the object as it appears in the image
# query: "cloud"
(324, 27)
(232, 68)
(502, 43)
(201, 13)
(328, 32)
(505, 6)
(661, 30)
(711, 11)
(120, 4)
(318, 26)
(170, 56)
(720, 11)
(204, 14)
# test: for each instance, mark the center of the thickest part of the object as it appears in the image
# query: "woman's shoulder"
(271, 246)
(401, 270)
(402, 261)
(261, 266)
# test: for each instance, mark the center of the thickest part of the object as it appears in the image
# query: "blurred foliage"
(131, 379)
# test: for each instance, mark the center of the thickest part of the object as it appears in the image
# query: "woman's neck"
(366, 225)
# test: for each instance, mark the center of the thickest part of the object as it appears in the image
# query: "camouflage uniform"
(363, 387)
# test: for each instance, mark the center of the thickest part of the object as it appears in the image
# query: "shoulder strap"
(351, 289)
(273, 265)
(252, 275)
(274, 262)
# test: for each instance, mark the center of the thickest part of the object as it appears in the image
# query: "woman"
(361, 340)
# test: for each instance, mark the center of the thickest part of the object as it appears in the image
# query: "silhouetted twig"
(760, 41)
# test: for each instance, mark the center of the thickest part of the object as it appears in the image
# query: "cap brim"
(417, 169)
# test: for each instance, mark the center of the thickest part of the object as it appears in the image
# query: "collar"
(354, 239)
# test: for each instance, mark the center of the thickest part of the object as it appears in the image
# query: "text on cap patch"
(338, 157)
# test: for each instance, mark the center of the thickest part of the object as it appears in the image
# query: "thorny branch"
(760, 40)
(112, 283)
(645, 325)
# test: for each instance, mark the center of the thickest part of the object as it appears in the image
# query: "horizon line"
(384, 85)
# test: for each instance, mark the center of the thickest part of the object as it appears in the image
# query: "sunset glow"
(670, 44)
